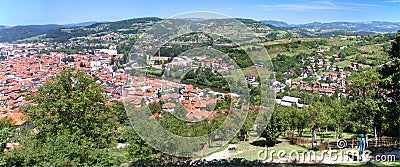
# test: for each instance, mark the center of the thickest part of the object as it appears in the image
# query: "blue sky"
(23, 12)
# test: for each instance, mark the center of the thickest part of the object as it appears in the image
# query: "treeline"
(296, 44)
(207, 77)
(63, 35)
(237, 54)
(126, 23)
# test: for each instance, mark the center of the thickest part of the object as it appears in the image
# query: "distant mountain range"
(276, 23)
(21, 32)
(316, 29)
(83, 23)
(13, 33)
(372, 27)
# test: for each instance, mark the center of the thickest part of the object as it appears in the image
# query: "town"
(24, 69)
(190, 91)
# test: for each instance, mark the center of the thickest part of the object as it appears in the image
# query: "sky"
(28, 12)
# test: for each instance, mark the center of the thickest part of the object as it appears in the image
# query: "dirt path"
(224, 154)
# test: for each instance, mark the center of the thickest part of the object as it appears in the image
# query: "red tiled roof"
(168, 105)
(154, 116)
(185, 101)
(199, 104)
(188, 95)
(139, 93)
(109, 103)
(138, 101)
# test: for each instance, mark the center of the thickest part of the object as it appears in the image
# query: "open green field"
(287, 40)
(273, 52)
(343, 64)
(370, 48)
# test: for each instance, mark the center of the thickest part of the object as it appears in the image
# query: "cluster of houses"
(141, 91)
(23, 71)
(217, 64)
(332, 79)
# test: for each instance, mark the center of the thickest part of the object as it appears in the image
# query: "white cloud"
(298, 7)
(393, 1)
(360, 5)
(317, 5)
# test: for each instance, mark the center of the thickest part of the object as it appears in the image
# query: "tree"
(180, 111)
(339, 117)
(138, 148)
(58, 151)
(248, 123)
(72, 123)
(300, 120)
(277, 124)
(367, 104)
(221, 104)
(6, 132)
(120, 113)
(73, 103)
(155, 107)
(318, 117)
(391, 84)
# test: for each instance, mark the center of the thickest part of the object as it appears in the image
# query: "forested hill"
(130, 26)
(331, 28)
(271, 29)
(21, 32)
(138, 25)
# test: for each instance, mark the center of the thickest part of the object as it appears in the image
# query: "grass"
(122, 155)
(348, 42)
(343, 63)
(395, 163)
(284, 146)
(251, 150)
(337, 41)
(273, 52)
(250, 70)
(373, 47)
(212, 149)
(326, 135)
(248, 46)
